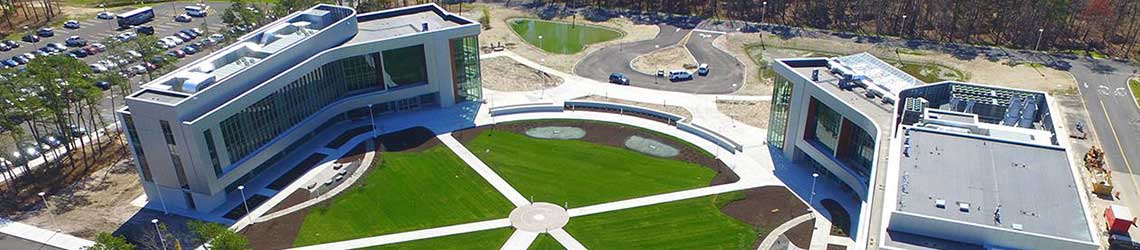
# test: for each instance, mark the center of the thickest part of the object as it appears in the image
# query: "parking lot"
(95, 30)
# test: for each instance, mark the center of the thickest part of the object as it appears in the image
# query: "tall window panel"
(213, 151)
(175, 158)
(824, 123)
(133, 135)
(405, 66)
(778, 116)
(465, 68)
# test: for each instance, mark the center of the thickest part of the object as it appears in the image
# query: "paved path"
(488, 174)
(775, 233)
(567, 241)
(41, 237)
(520, 240)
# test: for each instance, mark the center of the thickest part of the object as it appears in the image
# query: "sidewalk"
(42, 236)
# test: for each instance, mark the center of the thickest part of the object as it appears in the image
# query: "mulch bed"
(840, 219)
(767, 208)
(614, 135)
(836, 247)
(355, 154)
(280, 232)
(297, 171)
(800, 235)
(238, 211)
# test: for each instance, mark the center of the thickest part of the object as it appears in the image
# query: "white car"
(217, 37)
(97, 68)
(134, 54)
(703, 69)
(137, 69)
(127, 36)
(105, 15)
(175, 39)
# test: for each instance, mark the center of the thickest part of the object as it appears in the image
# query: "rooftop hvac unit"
(964, 207)
(940, 203)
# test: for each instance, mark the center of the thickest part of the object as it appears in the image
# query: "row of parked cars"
(673, 75)
(31, 149)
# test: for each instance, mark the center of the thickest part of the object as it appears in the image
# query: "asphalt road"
(1115, 116)
(725, 75)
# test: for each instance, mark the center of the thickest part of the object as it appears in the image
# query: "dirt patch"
(500, 33)
(614, 135)
(676, 110)
(668, 58)
(766, 208)
(800, 235)
(836, 247)
(505, 74)
(753, 113)
(755, 83)
(277, 233)
(297, 197)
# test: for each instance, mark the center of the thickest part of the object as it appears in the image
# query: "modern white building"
(946, 165)
(202, 130)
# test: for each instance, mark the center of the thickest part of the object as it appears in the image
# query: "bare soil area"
(677, 110)
(979, 70)
(505, 74)
(500, 32)
(668, 58)
(753, 113)
(800, 235)
(767, 208)
(755, 83)
(614, 135)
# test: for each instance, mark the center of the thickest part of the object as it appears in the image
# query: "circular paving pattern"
(539, 217)
(556, 132)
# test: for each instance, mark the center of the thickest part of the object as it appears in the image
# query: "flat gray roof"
(1033, 185)
(388, 27)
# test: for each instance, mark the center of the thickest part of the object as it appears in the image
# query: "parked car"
(12, 44)
(134, 54)
(97, 68)
(183, 18)
(105, 15)
(4, 47)
(660, 73)
(147, 30)
(30, 149)
(137, 69)
(51, 141)
(190, 50)
(46, 32)
(31, 38)
(703, 69)
(619, 78)
(11, 63)
(104, 85)
(71, 24)
(30, 56)
(126, 36)
(176, 53)
(183, 36)
(77, 131)
(218, 37)
(679, 75)
(75, 41)
(79, 53)
(58, 46)
(21, 59)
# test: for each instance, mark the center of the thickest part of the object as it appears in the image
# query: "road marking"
(1118, 146)
(710, 31)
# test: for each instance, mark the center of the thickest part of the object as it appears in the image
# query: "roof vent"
(964, 207)
(425, 27)
(1018, 227)
(940, 203)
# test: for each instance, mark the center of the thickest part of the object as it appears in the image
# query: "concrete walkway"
(42, 236)
(494, 179)
(566, 240)
(520, 240)
(365, 163)
(780, 230)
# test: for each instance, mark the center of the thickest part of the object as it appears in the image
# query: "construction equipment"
(1101, 176)
(1119, 219)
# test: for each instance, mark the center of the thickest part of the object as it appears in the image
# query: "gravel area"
(753, 113)
(506, 74)
(500, 32)
(677, 110)
(556, 133)
(668, 58)
(650, 147)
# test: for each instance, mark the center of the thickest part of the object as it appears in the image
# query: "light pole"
(156, 230)
(763, 12)
(540, 44)
(43, 196)
(248, 214)
(372, 118)
(903, 27)
(814, 176)
(1040, 33)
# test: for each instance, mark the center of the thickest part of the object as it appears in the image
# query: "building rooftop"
(989, 181)
(403, 21)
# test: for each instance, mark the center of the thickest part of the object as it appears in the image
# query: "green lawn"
(580, 172)
(545, 242)
(560, 37)
(481, 240)
(1134, 85)
(408, 191)
(688, 224)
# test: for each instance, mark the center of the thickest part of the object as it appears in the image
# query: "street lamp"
(372, 118)
(1040, 33)
(156, 230)
(43, 196)
(248, 214)
(540, 44)
(903, 24)
(814, 176)
(763, 12)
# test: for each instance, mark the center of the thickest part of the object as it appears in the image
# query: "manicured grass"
(545, 242)
(481, 240)
(1134, 85)
(407, 191)
(688, 224)
(580, 172)
(559, 37)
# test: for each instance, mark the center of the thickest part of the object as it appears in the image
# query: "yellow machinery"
(1101, 176)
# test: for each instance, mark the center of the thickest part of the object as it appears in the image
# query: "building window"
(778, 117)
(175, 158)
(132, 134)
(823, 126)
(465, 69)
(189, 200)
(856, 149)
(213, 153)
(405, 67)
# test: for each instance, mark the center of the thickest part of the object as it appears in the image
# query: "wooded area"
(1108, 26)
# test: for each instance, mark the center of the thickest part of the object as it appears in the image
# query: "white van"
(197, 10)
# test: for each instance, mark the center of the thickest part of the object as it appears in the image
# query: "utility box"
(1119, 219)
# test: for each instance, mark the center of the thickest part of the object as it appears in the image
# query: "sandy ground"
(753, 83)
(979, 70)
(677, 110)
(753, 113)
(505, 74)
(668, 58)
(100, 203)
(501, 32)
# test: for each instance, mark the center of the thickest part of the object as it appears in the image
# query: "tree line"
(1108, 26)
(41, 11)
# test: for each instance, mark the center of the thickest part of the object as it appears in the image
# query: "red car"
(176, 53)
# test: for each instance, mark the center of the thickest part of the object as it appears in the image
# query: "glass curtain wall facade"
(823, 124)
(858, 149)
(778, 118)
(136, 145)
(465, 68)
(249, 129)
(175, 158)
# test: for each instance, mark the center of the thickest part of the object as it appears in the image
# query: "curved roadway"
(726, 74)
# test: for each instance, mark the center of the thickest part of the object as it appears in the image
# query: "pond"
(559, 37)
